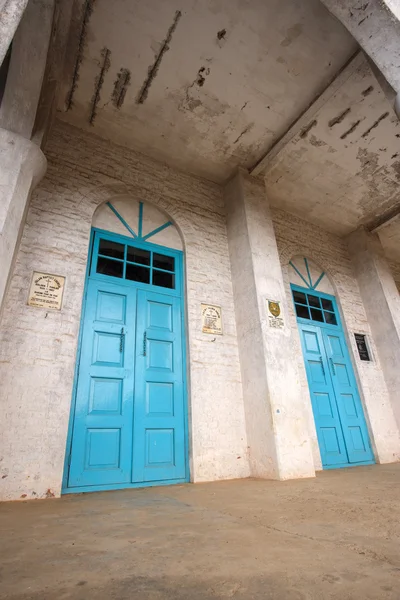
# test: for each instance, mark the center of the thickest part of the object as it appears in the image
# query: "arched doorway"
(338, 413)
(129, 418)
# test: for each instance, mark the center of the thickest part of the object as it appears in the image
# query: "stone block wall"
(38, 347)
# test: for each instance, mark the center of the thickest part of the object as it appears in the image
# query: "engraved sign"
(362, 346)
(211, 319)
(274, 315)
(46, 291)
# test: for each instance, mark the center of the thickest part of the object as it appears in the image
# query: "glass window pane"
(162, 279)
(316, 315)
(299, 297)
(138, 256)
(114, 268)
(135, 273)
(314, 301)
(330, 318)
(327, 304)
(164, 262)
(302, 311)
(111, 249)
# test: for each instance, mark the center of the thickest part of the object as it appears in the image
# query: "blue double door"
(338, 413)
(129, 421)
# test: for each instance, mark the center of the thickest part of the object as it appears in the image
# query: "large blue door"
(102, 434)
(339, 418)
(129, 427)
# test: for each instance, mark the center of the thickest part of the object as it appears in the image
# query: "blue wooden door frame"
(334, 329)
(179, 292)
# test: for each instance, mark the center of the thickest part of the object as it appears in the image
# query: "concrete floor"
(336, 536)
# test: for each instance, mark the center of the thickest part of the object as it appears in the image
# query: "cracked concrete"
(333, 537)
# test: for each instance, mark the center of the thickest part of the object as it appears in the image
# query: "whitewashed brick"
(38, 348)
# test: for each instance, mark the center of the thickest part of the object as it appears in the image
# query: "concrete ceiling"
(203, 85)
(340, 166)
(209, 86)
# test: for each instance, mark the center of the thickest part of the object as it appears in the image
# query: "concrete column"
(27, 68)
(382, 304)
(22, 165)
(278, 436)
(11, 12)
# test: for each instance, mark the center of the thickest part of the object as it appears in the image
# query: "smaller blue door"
(326, 413)
(351, 413)
(339, 418)
(159, 431)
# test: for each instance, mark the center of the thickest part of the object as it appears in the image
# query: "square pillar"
(276, 419)
(22, 165)
(382, 305)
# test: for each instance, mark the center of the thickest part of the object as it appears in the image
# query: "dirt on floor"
(336, 536)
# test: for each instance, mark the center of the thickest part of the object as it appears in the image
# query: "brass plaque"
(211, 319)
(46, 291)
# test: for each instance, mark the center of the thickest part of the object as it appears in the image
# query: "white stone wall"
(300, 238)
(38, 348)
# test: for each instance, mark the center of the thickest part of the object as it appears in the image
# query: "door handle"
(332, 366)
(322, 365)
(144, 343)
(121, 339)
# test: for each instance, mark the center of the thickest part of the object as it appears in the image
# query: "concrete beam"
(387, 218)
(11, 12)
(376, 28)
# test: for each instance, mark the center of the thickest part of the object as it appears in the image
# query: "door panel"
(102, 433)
(159, 432)
(327, 422)
(349, 403)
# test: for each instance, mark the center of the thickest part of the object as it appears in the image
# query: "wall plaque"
(211, 319)
(362, 346)
(46, 291)
(275, 319)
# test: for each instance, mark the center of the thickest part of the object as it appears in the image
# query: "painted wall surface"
(298, 238)
(38, 348)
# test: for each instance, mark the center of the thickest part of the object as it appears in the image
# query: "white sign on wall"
(211, 319)
(46, 291)
(275, 319)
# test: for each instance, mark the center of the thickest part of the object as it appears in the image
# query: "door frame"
(332, 328)
(179, 291)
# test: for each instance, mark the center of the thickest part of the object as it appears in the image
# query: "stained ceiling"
(342, 168)
(205, 86)
(209, 86)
